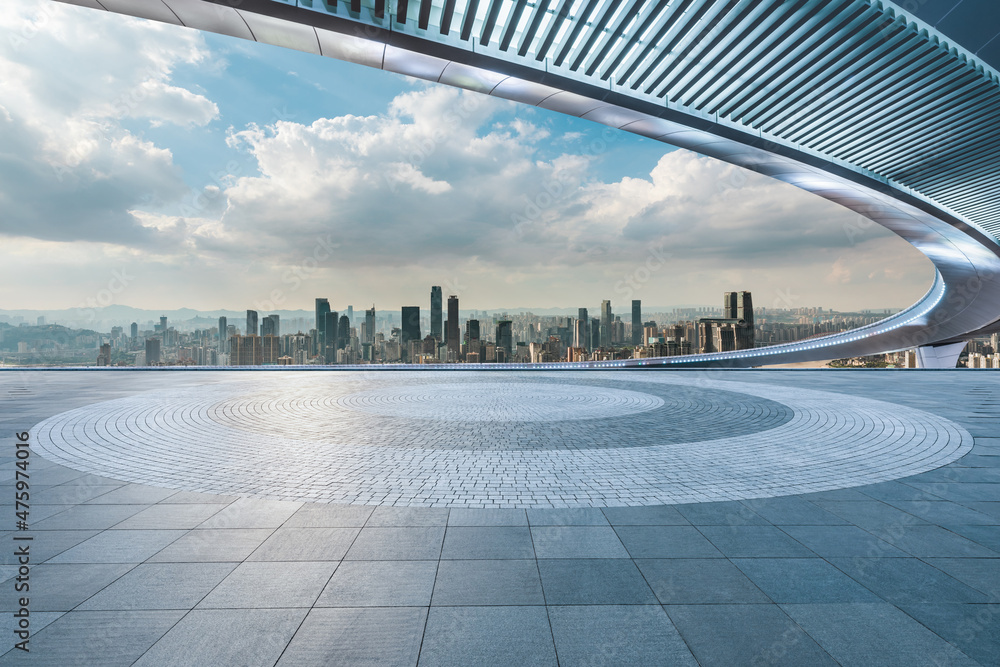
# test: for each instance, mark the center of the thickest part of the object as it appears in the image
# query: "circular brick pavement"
(499, 439)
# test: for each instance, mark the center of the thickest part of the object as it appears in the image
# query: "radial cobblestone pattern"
(499, 439)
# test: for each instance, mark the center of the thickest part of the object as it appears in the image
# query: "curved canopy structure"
(854, 100)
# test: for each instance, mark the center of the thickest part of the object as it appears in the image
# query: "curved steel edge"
(964, 300)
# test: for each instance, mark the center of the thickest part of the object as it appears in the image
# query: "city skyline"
(190, 212)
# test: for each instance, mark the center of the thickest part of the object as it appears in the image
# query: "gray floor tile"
(944, 512)
(699, 581)
(936, 542)
(488, 582)
(71, 494)
(369, 583)
(842, 541)
(494, 542)
(214, 545)
(253, 513)
(982, 574)
(906, 580)
(89, 517)
(106, 638)
(487, 637)
(745, 634)
(207, 637)
(617, 635)
(408, 516)
(133, 494)
(200, 498)
(803, 580)
(594, 581)
(576, 516)
(378, 543)
(47, 544)
(329, 516)
(871, 515)
(973, 628)
(874, 634)
(61, 587)
(119, 546)
(656, 515)
(357, 638)
(986, 536)
(577, 542)
(487, 517)
(730, 513)
(666, 542)
(294, 544)
(160, 586)
(792, 511)
(181, 516)
(263, 585)
(754, 542)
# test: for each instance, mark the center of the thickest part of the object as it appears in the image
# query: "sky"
(154, 166)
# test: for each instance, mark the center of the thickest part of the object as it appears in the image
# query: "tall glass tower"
(436, 312)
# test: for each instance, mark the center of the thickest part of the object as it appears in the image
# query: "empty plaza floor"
(496, 518)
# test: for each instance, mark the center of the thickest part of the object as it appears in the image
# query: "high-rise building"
(245, 351)
(134, 331)
(343, 332)
(452, 335)
(436, 312)
(472, 331)
(606, 319)
(163, 324)
(322, 308)
(330, 336)
(350, 315)
(579, 334)
(595, 333)
(636, 322)
(251, 324)
(223, 327)
(584, 342)
(505, 337)
(270, 326)
(152, 351)
(409, 329)
(369, 336)
(104, 356)
(270, 349)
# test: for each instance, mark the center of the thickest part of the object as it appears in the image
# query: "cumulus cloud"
(443, 187)
(69, 170)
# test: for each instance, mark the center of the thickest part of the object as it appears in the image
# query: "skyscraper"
(223, 326)
(505, 337)
(134, 330)
(350, 315)
(436, 312)
(322, 308)
(595, 333)
(163, 324)
(152, 351)
(370, 325)
(606, 319)
(343, 332)
(251, 323)
(410, 325)
(330, 336)
(270, 326)
(453, 336)
(636, 322)
(585, 341)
